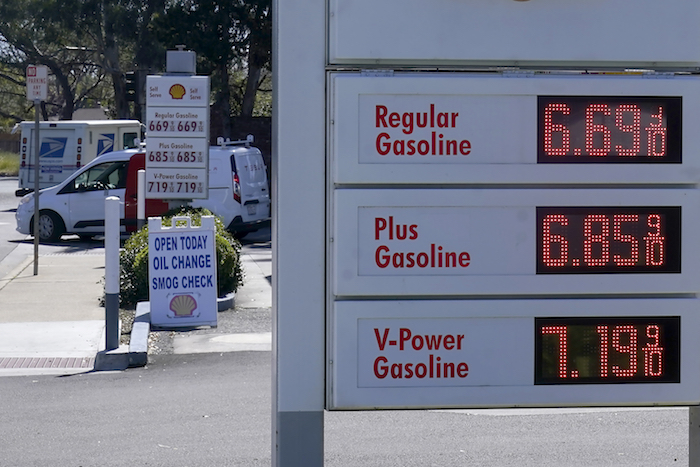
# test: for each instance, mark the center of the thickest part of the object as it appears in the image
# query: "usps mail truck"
(67, 145)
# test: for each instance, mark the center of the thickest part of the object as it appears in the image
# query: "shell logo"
(183, 305)
(177, 91)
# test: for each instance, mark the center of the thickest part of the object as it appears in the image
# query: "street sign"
(37, 82)
(177, 146)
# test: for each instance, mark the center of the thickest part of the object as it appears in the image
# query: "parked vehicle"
(238, 193)
(66, 146)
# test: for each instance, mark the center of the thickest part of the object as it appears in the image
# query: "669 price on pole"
(166, 121)
(578, 350)
(176, 126)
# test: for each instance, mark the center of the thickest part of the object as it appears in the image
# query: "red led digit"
(656, 136)
(593, 128)
(634, 128)
(603, 333)
(630, 348)
(653, 352)
(561, 332)
(602, 238)
(655, 242)
(548, 238)
(618, 219)
(550, 128)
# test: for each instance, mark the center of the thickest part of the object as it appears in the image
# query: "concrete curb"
(136, 353)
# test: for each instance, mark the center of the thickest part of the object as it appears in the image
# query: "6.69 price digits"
(175, 126)
(609, 129)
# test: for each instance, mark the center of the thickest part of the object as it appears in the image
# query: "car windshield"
(105, 176)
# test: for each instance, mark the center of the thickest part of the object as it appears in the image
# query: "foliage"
(134, 259)
(9, 163)
(89, 46)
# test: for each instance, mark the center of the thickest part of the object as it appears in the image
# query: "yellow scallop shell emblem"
(177, 91)
(183, 305)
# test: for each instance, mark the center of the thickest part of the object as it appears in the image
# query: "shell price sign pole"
(182, 273)
(177, 147)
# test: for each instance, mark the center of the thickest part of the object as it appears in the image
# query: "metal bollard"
(112, 272)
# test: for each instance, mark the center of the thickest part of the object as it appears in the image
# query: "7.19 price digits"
(174, 187)
(607, 350)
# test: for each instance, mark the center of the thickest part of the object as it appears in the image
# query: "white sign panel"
(37, 82)
(466, 128)
(513, 353)
(182, 274)
(469, 242)
(168, 152)
(613, 33)
(173, 122)
(174, 183)
(177, 146)
(178, 91)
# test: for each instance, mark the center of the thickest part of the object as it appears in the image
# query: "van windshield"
(105, 176)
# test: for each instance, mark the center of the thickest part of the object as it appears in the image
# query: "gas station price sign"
(609, 129)
(580, 350)
(633, 239)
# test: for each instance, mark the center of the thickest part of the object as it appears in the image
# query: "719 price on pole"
(174, 187)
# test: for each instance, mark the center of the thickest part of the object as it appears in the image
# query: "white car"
(238, 193)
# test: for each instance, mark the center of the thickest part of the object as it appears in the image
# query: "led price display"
(607, 350)
(632, 239)
(607, 129)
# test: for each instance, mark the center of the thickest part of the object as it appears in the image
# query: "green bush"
(133, 259)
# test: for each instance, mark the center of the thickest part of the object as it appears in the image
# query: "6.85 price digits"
(175, 156)
(608, 239)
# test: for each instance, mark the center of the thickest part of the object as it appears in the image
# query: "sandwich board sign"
(182, 273)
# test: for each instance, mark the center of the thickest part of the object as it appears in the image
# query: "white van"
(238, 193)
(65, 146)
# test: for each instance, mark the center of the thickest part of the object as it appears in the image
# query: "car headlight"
(26, 198)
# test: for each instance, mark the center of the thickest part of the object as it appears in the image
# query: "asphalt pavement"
(53, 323)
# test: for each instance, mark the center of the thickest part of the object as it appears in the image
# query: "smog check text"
(186, 261)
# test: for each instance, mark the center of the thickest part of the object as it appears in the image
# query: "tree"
(90, 45)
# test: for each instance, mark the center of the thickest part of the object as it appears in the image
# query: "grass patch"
(9, 163)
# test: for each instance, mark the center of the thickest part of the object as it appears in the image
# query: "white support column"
(298, 232)
(112, 272)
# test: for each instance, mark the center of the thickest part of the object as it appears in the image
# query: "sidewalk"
(52, 323)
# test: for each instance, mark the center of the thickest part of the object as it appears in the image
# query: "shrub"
(133, 259)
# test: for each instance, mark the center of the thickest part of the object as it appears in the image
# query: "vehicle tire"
(240, 235)
(50, 226)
